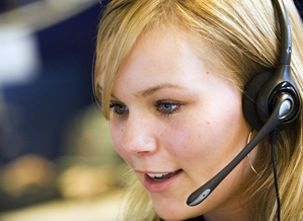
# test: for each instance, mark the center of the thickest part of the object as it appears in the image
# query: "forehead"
(168, 39)
(165, 57)
(159, 52)
(157, 43)
(153, 47)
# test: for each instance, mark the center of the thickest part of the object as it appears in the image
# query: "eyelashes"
(167, 107)
(118, 108)
(163, 107)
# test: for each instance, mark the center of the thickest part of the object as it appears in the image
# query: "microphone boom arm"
(282, 108)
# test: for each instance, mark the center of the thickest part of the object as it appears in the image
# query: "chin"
(172, 217)
(172, 212)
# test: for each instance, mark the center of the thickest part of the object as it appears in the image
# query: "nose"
(139, 136)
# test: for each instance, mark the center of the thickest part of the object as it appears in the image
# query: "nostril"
(143, 153)
(142, 145)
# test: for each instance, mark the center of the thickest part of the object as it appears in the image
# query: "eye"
(118, 108)
(165, 107)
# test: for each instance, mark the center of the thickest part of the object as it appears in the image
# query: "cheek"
(116, 136)
(205, 141)
(186, 141)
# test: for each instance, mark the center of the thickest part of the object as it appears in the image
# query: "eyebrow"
(152, 90)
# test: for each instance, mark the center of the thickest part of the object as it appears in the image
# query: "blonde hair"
(246, 36)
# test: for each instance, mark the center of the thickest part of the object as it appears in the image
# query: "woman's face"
(177, 123)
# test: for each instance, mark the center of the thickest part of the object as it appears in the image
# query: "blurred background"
(56, 158)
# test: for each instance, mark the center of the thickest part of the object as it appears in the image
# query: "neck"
(232, 212)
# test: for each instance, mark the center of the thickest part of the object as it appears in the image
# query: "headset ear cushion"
(249, 99)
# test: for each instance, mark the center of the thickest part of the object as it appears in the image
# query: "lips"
(162, 176)
(156, 182)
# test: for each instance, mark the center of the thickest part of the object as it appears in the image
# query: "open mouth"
(159, 177)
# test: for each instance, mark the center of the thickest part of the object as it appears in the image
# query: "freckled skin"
(206, 132)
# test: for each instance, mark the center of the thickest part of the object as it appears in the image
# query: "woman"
(170, 75)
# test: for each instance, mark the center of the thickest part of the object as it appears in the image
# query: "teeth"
(161, 176)
(157, 175)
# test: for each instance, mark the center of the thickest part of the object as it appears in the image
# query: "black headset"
(263, 93)
(270, 101)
